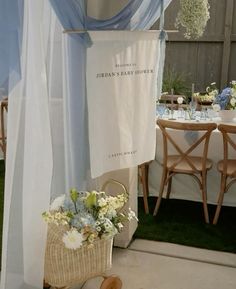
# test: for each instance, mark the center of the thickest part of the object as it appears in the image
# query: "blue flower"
(223, 98)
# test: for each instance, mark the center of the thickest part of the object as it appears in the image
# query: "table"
(185, 187)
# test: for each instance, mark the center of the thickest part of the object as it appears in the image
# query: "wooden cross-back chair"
(226, 166)
(143, 170)
(182, 162)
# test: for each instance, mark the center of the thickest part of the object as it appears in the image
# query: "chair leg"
(169, 188)
(204, 199)
(162, 186)
(144, 180)
(147, 177)
(220, 199)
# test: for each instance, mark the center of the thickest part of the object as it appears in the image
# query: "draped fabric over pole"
(138, 14)
(47, 149)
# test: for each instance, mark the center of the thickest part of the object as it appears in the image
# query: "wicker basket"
(64, 267)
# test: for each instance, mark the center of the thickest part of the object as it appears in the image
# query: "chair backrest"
(227, 132)
(168, 99)
(166, 126)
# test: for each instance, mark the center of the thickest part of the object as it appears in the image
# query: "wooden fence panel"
(210, 58)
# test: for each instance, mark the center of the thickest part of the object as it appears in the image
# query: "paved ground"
(157, 265)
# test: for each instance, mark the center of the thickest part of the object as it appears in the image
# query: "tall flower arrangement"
(210, 95)
(193, 17)
(88, 216)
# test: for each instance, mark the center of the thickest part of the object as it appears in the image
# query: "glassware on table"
(160, 109)
(210, 113)
(181, 112)
(203, 114)
(192, 109)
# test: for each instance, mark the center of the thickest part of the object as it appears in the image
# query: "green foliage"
(74, 195)
(176, 81)
(91, 200)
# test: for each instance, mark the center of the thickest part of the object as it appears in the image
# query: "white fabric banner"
(122, 71)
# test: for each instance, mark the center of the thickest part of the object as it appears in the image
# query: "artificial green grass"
(182, 222)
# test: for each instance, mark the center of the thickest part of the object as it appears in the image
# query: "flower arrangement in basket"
(80, 234)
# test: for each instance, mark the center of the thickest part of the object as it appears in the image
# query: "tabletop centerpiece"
(81, 227)
(225, 102)
(207, 97)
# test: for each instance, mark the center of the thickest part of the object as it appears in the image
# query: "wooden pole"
(227, 42)
(77, 31)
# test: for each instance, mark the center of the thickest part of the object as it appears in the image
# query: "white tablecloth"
(185, 187)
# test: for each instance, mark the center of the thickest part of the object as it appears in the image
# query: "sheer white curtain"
(43, 114)
(35, 125)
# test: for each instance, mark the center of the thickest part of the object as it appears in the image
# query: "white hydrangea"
(102, 202)
(233, 101)
(233, 91)
(57, 218)
(72, 239)
(180, 100)
(111, 213)
(57, 203)
(216, 107)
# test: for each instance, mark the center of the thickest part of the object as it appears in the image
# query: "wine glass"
(192, 109)
(210, 113)
(160, 109)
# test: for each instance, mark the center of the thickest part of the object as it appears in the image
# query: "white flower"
(180, 100)
(111, 213)
(98, 228)
(233, 101)
(72, 239)
(102, 202)
(233, 90)
(57, 218)
(120, 226)
(213, 83)
(131, 215)
(57, 203)
(216, 107)
(233, 82)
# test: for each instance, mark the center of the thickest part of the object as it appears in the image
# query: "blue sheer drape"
(137, 15)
